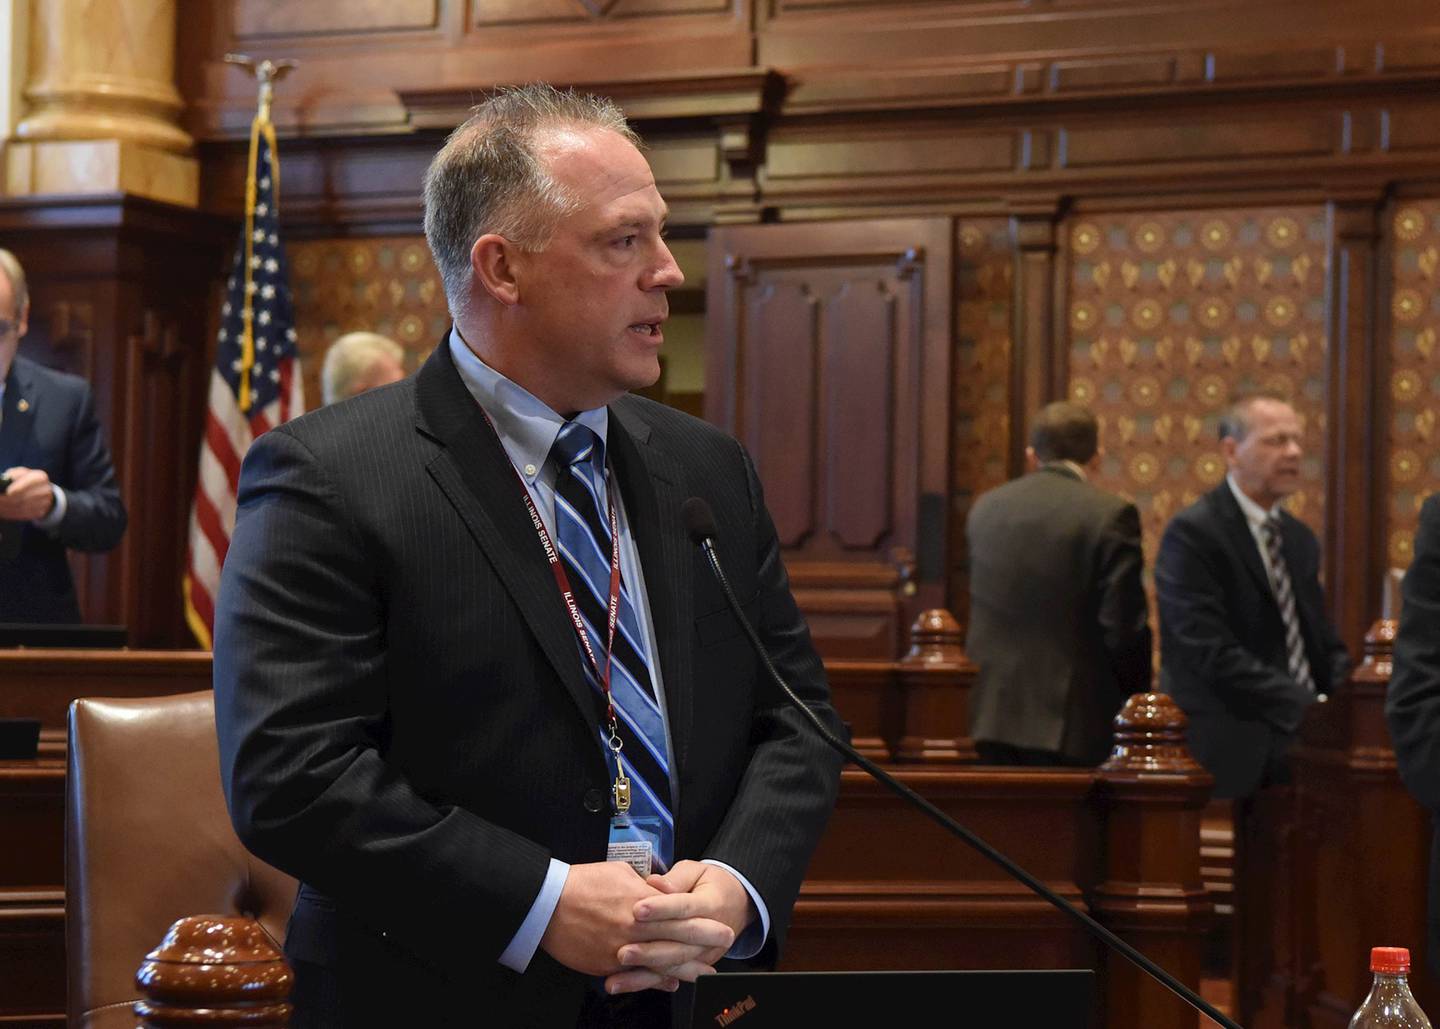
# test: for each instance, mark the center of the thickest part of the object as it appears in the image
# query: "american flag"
(256, 382)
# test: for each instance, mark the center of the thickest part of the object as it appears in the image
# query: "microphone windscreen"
(699, 520)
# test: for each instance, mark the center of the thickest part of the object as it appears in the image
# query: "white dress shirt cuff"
(57, 513)
(752, 940)
(527, 938)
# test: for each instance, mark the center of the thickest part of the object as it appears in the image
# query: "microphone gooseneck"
(700, 524)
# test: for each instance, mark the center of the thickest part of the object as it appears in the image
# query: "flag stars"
(258, 235)
(265, 182)
(255, 261)
(274, 374)
(261, 210)
(264, 316)
(251, 287)
(267, 291)
(261, 343)
(271, 265)
(225, 309)
(274, 239)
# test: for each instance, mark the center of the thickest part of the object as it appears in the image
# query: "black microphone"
(700, 524)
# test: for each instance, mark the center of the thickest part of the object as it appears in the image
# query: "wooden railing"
(886, 889)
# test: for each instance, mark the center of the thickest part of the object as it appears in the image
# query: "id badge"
(635, 840)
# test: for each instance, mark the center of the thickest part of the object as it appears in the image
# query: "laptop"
(879, 1000)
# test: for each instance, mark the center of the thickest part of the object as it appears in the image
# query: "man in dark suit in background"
(1412, 704)
(59, 484)
(1058, 617)
(1245, 646)
(412, 715)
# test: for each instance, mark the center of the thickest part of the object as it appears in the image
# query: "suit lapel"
(1241, 539)
(652, 483)
(18, 419)
(474, 472)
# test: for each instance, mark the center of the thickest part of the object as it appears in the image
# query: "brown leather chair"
(148, 841)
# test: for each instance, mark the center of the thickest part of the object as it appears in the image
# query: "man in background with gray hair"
(360, 361)
(475, 686)
(1245, 646)
(57, 483)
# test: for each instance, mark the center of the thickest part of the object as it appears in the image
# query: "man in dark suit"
(1058, 617)
(1412, 704)
(1245, 646)
(61, 488)
(412, 715)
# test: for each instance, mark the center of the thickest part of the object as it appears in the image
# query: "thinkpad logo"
(734, 1011)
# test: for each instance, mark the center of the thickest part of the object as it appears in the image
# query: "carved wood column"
(1152, 894)
(1358, 414)
(1038, 372)
(214, 970)
(104, 111)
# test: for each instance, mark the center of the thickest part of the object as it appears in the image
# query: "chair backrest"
(148, 841)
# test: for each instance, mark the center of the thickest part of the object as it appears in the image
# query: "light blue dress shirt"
(527, 430)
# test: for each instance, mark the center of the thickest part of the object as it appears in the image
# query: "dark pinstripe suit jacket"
(404, 725)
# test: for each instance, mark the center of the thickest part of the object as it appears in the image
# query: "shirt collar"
(1256, 515)
(526, 425)
(1078, 469)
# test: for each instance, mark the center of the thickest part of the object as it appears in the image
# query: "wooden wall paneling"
(828, 354)
(1039, 367)
(123, 293)
(32, 894)
(1355, 536)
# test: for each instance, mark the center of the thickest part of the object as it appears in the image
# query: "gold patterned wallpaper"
(980, 438)
(1414, 387)
(1169, 315)
(385, 284)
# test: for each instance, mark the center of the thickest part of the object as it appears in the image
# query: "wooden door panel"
(825, 342)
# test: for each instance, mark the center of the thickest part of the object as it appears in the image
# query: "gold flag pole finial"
(267, 73)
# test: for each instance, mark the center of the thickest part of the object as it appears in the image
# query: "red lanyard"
(567, 594)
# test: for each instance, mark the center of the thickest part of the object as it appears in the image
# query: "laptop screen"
(841, 1000)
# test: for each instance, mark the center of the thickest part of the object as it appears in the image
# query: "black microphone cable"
(700, 524)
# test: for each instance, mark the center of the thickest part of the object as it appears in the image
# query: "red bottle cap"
(1390, 960)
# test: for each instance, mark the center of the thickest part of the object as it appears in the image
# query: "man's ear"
(1227, 450)
(492, 263)
(23, 326)
(1032, 462)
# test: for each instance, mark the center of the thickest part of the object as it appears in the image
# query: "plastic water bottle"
(1390, 1004)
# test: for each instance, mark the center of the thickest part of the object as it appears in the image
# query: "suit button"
(594, 800)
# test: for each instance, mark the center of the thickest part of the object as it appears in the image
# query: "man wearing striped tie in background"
(475, 685)
(1245, 646)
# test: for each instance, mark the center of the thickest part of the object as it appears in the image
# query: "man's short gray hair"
(488, 177)
(349, 357)
(1235, 419)
(10, 265)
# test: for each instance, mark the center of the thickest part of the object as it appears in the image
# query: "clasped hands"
(29, 496)
(650, 933)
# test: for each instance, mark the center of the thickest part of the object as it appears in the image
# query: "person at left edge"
(62, 491)
(405, 716)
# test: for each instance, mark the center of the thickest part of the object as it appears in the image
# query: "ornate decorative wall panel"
(387, 285)
(1414, 383)
(980, 437)
(1170, 314)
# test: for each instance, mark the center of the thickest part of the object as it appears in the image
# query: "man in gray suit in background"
(1058, 616)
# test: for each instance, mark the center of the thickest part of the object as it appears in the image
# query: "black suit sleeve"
(1412, 704)
(792, 777)
(1123, 610)
(1193, 607)
(95, 516)
(301, 712)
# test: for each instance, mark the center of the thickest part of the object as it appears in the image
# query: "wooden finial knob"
(935, 638)
(214, 970)
(1150, 737)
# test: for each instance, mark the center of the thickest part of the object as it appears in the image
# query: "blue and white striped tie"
(582, 531)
